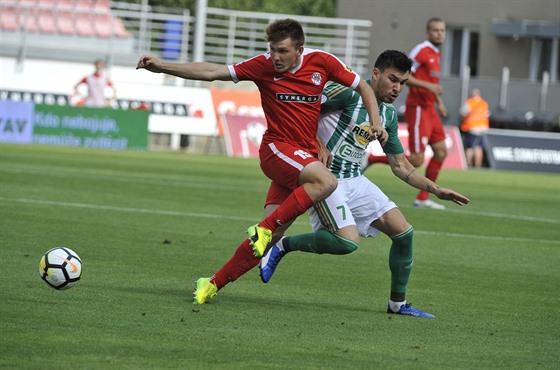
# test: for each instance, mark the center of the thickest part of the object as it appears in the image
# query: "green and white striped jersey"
(344, 125)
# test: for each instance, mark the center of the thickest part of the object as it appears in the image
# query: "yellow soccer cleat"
(204, 291)
(259, 238)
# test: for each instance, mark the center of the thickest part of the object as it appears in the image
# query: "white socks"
(396, 306)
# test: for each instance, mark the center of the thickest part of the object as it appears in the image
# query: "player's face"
(99, 66)
(387, 85)
(285, 55)
(436, 33)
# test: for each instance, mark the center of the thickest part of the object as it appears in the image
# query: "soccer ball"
(61, 268)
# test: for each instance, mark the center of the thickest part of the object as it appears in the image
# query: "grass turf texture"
(147, 225)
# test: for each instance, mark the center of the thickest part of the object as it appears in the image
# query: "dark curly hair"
(393, 58)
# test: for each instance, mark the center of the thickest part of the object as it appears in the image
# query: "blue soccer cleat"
(407, 309)
(270, 261)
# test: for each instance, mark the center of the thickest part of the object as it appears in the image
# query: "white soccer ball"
(61, 268)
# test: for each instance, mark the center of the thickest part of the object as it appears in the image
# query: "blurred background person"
(474, 113)
(96, 84)
(424, 95)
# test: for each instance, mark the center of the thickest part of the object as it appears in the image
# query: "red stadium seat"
(9, 19)
(28, 20)
(65, 22)
(83, 18)
(46, 21)
(83, 25)
(83, 5)
(108, 26)
(102, 6)
(65, 4)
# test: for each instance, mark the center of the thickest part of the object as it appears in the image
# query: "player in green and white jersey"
(358, 207)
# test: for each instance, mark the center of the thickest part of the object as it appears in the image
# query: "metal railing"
(231, 36)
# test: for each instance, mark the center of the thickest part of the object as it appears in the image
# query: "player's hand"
(448, 194)
(436, 89)
(442, 110)
(149, 63)
(379, 134)
(324, 155)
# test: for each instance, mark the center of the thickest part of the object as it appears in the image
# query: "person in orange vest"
(475, 115)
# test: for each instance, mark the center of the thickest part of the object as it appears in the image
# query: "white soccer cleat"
(428, 203)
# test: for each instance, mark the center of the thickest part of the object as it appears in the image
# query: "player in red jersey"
(424, 123)
(96, 85)
(290, 79)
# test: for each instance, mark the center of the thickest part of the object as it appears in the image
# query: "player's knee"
(440, 155)
(345, 246)
(327, 186)
(330, 184)
(349, 233)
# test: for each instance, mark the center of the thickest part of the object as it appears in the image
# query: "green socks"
(400, 262)
(319, 242)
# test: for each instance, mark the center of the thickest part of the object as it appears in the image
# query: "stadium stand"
(83, 18)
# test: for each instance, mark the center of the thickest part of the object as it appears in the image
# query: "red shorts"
(282, 163)
(424, 127)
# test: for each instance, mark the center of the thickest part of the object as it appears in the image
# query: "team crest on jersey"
(348, 69)
(316, 78)
(361, 134)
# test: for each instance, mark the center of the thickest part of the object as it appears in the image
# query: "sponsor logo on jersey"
(348, 153)
(361, 134)
(297, 98)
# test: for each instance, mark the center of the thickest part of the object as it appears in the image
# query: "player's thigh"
(332, 213)
(391, 223)
(367, 203)
(275, 196)
(436, 132)
(418, 129)
(283, 163)
(317, 173)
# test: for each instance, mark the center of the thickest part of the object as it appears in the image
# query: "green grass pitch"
(147, 225)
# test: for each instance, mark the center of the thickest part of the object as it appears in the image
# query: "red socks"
(242, 261)
(295, 204)
(432, 172)
(377, 159)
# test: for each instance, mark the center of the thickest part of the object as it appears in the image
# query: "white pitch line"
(501, 215)
(126, 209)
(166, 180)
(237, 218)
(486, 237)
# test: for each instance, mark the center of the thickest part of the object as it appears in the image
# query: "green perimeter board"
(102, 128)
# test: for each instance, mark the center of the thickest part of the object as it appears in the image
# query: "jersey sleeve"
(249, 69)
(336, 97)
(341, 73)
(393, 145)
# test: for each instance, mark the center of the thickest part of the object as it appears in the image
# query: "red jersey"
(292, 100)
(425, 67)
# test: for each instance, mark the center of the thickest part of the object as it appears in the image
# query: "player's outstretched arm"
(376, 130)
(452, 195)
(190, 71)
(402, 168)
